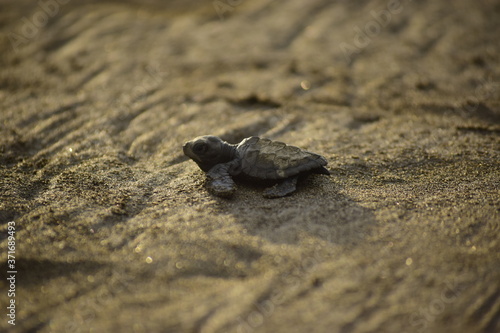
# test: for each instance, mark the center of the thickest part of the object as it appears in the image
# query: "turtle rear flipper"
(287, 186)
(321, 171)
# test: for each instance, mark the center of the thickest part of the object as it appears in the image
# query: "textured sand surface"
(115, 231)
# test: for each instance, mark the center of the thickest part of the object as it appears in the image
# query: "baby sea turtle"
(254, 157)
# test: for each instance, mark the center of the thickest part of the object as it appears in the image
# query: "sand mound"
(115, 231)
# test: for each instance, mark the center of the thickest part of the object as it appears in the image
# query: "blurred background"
(116, 231)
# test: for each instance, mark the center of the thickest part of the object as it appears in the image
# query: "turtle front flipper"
(282, 189)
(219, 181)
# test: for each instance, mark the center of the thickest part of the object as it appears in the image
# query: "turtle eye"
(200, 148)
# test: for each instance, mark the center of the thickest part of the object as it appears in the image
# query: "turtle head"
(208, 151)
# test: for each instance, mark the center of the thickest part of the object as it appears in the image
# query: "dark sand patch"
(116, 232)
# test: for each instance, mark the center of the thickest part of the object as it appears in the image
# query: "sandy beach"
(110, 228)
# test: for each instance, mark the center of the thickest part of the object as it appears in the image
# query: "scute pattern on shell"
(263, 158)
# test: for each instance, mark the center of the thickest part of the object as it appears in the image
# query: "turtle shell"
(266, 159)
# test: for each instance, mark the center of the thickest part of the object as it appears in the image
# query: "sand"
(116, 232)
